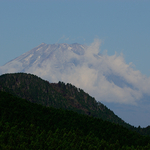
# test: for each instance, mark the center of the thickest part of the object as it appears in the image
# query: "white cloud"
(93, 80)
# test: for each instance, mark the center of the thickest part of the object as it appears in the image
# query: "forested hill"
(25, 125)
(59, 95)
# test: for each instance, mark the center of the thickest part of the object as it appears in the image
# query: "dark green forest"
(60, 95)
(36, 114)
(25, 125)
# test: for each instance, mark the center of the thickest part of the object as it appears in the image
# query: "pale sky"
(123, 25)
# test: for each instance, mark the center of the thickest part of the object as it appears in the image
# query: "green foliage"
(58, 95)
(25, 125)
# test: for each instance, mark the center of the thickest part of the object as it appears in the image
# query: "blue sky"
(122, 25)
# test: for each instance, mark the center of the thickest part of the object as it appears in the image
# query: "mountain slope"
(58, 95)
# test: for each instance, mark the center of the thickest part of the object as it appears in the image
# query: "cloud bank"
(107, 78)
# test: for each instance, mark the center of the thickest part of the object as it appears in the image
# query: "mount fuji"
(107, 78)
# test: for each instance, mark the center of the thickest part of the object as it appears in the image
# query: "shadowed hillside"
(26, 125)
(59, 95)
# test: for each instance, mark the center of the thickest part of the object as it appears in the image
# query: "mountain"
(39, 56)
(26, 125)
(58, 95)
(109, 79)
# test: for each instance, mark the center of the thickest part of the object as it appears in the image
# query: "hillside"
(26, 125)
(58, 95)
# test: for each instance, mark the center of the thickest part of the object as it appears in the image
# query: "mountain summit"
(44, 54)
